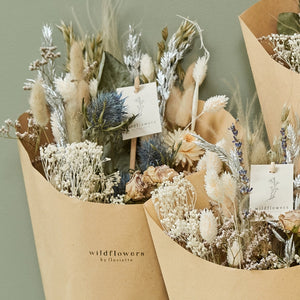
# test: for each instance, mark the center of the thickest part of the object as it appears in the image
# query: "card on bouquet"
(272, 191)
(144, 104)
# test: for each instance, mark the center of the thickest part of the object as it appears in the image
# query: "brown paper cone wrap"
(275, 84)
(77, 243)
(189, 277)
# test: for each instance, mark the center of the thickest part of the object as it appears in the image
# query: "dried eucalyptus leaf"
(114, 75)
(288, 23)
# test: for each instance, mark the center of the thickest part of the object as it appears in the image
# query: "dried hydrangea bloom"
(290, 220)
(188, 152)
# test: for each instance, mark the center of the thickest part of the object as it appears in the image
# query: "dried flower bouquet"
(72, 135)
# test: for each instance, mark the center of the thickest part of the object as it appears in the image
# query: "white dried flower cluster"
(166, 74)
(286, 49)
(293, 147)
(133, 58)
(47, 75)
(172, 200)
(77, 171)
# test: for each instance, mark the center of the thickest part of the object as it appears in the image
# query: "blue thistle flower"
(107, 109)
(153, 152)
(120, 188)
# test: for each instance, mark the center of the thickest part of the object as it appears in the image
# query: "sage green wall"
(20, 35)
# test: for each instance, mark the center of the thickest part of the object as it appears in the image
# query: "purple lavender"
(283, 144)
(245, 188)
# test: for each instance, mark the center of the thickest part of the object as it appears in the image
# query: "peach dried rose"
(290, 220)
(159, 174)
(136, 188)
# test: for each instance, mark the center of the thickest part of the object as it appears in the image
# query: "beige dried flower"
(199, 74)
(208, 225)
(188, 152)
(147, 67)
(76, 62)
(234, 254)
(136, 188)
(290, 220)
(93, 88)
(213, 186)
(214, 104)
(154, 175)
(230, 189)
(38, 104)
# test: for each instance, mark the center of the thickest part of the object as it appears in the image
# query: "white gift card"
(272, 192)
(144, 104)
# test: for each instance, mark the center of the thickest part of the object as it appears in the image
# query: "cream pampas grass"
(76, 62)
(230, 191)
(38, 104)
(214, 186)
(74, 90)
(234, 254)
(208, 225)
(199, 74)
(109, 28)
(215, 104)
(147, 67)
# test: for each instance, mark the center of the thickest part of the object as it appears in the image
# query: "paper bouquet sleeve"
(90, 250)
(276, 85)
(189, 277)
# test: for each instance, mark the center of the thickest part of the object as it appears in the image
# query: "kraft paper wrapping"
(189, 277)
(275, 84)
(89, 250)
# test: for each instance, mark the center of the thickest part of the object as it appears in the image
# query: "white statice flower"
(188, 152)
(214, 104)
(208, 225)
(196, 246)
(93, 88)
(147, 67)
(77, 171)
(67, 87)
(234, 254)
(173, 201)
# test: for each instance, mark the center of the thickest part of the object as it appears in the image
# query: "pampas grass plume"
(83, 93)
(208, 225)
(230, 188)
(215, 104)
(76, 62)
(147, 67)
(38, 104)
(200, 70)
(213, 186)
(234, 254)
